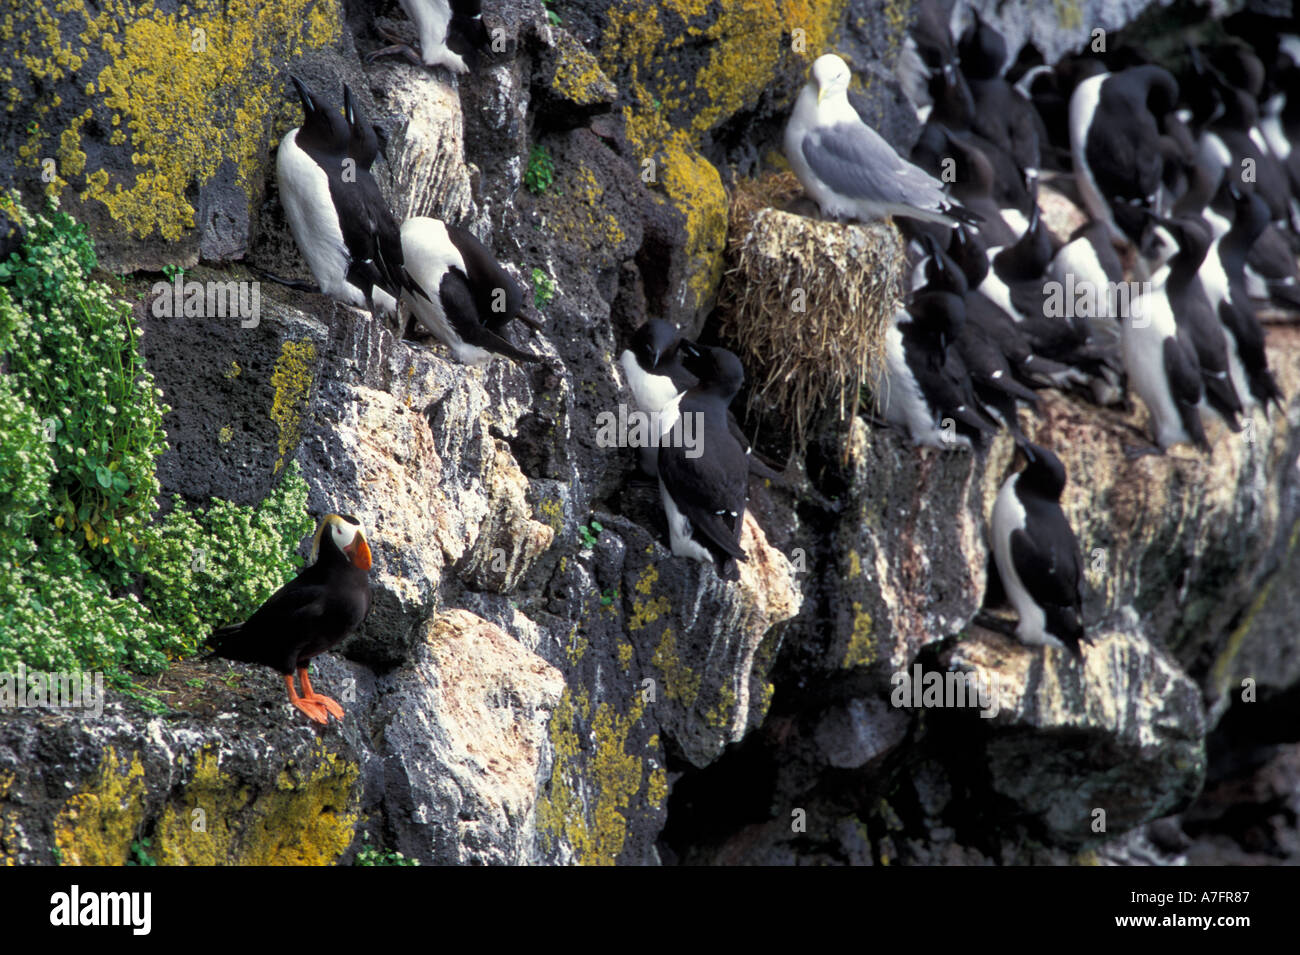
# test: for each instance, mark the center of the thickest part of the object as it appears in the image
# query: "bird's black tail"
(226, 642)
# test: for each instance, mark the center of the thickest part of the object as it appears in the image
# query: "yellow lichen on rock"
(193, 90)
(681, 684)
(747, 43)
(97, 825)
(306, 819)
(291, 379)
(577, 208)
(8, 824)
(578, 76)
(861, 650)
(591, 800)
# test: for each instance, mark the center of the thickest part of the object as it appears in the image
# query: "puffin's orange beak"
(360, 553)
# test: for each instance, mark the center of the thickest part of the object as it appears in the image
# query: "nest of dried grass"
(847, 278)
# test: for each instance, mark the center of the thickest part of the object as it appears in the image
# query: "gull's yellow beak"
(821, 91)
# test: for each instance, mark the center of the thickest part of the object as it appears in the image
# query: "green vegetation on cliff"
(87, 579)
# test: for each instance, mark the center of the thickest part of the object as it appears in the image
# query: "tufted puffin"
(310, 614)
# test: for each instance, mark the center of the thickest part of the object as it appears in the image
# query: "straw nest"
(807, 303)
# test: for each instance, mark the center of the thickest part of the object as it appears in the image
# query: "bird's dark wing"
(462, 312)
(370, 232)
(287, 619)
(710, 489)
(1048, 563)
(497, 296)
(1183, 373)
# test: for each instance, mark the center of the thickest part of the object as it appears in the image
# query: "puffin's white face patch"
(345, 532)
(341, 530)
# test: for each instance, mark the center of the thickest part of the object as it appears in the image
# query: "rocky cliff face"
(530, 688)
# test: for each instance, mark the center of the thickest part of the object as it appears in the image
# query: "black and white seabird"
(1225, 285)
(925, 390)
(1089, 265)
(983, 356)
(927, 49)
(1194, 314)
(372, 235)
(1018, 282)
(326, 214)
(1115, 139)
(995, 324)
(1037, 554)
(451, 34)
(307, 616)
(704, 489)
(972, 179)
(654, 371)
(652, 365)
(847, 167)
(469, 296)
(1004, 118)
(1162, 368)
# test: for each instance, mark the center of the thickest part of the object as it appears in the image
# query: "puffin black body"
(309, 615)
(704, 494)
(1037, 554)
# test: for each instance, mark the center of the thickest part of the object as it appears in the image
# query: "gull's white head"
(832, 76)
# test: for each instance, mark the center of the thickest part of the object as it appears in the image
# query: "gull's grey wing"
(855, 161)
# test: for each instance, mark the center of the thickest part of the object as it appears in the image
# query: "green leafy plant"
(607, 597)
(140, 853)
(543, 288)
(215, 565)
(74, 360)
(369, 855)
(540, 172)
(588, 534)
(87, 581)
(552, 17)
(171, 271)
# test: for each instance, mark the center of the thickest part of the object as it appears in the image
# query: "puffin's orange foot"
(309, 694)
(313, 709)
(327, 704)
